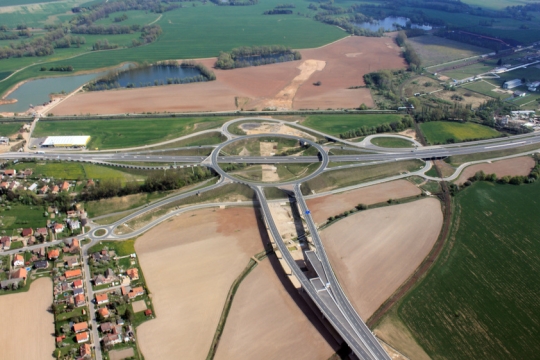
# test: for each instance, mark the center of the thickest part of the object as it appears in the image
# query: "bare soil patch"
(189, 264)
(325, 206)
(517, 166)
(377, 250)
(285, 85)
(121, 354)
(139, 306)
(28, 328)
(446, 168)
(268, 321)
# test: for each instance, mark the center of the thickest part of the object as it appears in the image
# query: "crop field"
(470, 70)
(110, 134)
(337, 124)
(439, 132)
(10, 128)
(497, 4)
(342, 178)
(480, 300)
(391, 142)
(486, 88)
(223, 28)
(437, 50)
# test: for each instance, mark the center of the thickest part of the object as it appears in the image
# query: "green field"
(497, 4)
(391, 142)
(439, 132)
(21, 216)
(9, 128)
(122, 248)
(337, 124)
(480, 300)
(190, 32)
(23, 2)
(437, 50)
(112, 134)
(485, 88)
(76, 171)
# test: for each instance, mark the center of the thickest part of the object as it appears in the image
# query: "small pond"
(389, 24)
(148, 76)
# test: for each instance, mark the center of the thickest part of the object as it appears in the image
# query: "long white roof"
(67, 140)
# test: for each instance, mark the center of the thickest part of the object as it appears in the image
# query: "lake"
(388, 24)
(147, 76)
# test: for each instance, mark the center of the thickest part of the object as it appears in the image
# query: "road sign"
(308, 212)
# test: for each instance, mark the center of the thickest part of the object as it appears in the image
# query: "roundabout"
(323, 159)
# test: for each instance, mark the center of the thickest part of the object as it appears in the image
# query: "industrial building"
(533, 86)
(512, 84)
(66, 141)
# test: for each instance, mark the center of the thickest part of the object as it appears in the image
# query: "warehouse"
(66, 141)
(512, 84)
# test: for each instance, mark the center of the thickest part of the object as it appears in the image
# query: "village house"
(44, 189)
(133, 273)
(104, 312)
(58, 228)
(27, 232)
(77, 284)
(71, 261)
(65, 186)
(74, 224)
(82, 337)
(70, 274)
(4, 185)
(106, 327)
(10, 172)
(53, 254)
(72, 213)
(78, 291)
(85, 351)
(79, 300)
(111, 339)
(102, 299)
(18, 260)
(99, 280)
(55, 189)
(135, 292)
(101, 256)
(42, 264)
(80, 327)
(6, 242)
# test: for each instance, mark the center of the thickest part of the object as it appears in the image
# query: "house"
(78, 284)
(4, 185)
(148, 312)
(519, 93)
(6, 242)
(7, 284)
(78, 291)
(133, 273)
(32, 187)
(125, 290)
(19, 274)
(18, 260)
(111, 339)
(27, 172)
(44, 189)
(27, 232)
(43, 232)
(4, 140)
(90, 183)
(58, 228)
(101, 256)
(10, 172)
(80, 327)
(79, 300)
(104, 312)
(106, 327)
(53, 254)
(109, 275)
(65, 186)
(72, 213)
(534, 86)
(71, 261)
(42, 264)
(82, 337)
(85, 351)
(102, 299)
(31, 240)
(70, 274)
(74, 224)
(55, 189)
(135, 292)
(99, 280)
(60, 338)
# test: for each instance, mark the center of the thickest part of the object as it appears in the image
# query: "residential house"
(70, 274)
(74, 224)
(148, 312)
(65, 186)
(125, 290)
(53, 254)
(78, 291)
(44, 189)
(104, 312)
(10, 172)
(102, 299)
(82, 337)
(135, 292)
(55, 189)
(99, 280)
(7, 284)
(33, 187)
(27, 232)
(31, 240)
(77, 284)
(27, 172)
(20, 274)
(60, 338)
(133, 273)
(71, 261)
(109, 275)
(4, 185)
(42, 264)
(85, 351)
(58, 228)
(18, 260)
(43, 232)
(111, 339)
(106, 327)
(6, 242)
(101, 256)
(80, 327)
(79, 300)
(90, 183)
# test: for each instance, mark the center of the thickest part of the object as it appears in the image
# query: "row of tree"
(256, 55)
(410, 55)
(396, 126)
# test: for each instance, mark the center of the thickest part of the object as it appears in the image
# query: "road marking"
(496, 146)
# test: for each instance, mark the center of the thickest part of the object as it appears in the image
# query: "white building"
(512, 84)
(533, 86)
(66, 141)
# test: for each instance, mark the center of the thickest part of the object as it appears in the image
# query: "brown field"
(189, 264)
(516, 166)
(325, 206)
(268, 321)
(121, 354)
(338, 66)
(373, 252)
(28, 330)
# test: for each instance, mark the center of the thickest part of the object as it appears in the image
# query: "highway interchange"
(325, 291)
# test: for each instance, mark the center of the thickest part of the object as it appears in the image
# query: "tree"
(129, 316)
(499, 63)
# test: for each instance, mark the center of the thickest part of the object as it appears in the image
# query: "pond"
(389, 24)
(147, 76)
(36, 92)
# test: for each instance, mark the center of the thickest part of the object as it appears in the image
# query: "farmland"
(109, 134)
(441, 132)
(485, 277)
(437, 50)
(10, 128)
(337, 124)
(487, 88)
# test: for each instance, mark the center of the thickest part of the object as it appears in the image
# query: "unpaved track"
(268, 321)
(332, 205)
(373, 252)
(27, 330)
(189, 264)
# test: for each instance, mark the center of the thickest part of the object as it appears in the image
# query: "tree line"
(235, 2)
(256, 55)
(409, 53)
(395, 126)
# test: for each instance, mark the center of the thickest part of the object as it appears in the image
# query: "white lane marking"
(496, 146)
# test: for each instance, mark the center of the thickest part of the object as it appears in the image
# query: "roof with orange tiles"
(101, 298)
(80, 326)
